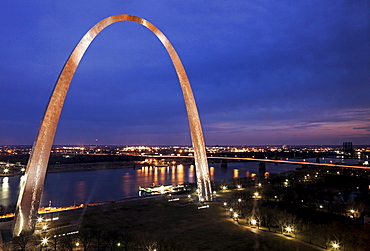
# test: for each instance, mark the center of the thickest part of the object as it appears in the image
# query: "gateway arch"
(31, 189)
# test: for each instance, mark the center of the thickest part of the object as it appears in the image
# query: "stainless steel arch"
(30, 194)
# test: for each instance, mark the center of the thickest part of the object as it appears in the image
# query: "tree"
(85, 237)
(97, 234)
(267, 216)
(110, 239)
(325, 233)
(126, 239)
(23, 241)
(67, 243)
(5, 247)
(308, 230)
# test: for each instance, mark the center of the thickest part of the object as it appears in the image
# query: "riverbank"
(77, 167)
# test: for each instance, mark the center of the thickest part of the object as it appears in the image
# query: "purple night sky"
(262, 72)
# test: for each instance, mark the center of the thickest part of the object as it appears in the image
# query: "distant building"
(347, 146)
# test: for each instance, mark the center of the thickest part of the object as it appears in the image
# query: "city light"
(256, 195)
(44, 241)
(335, 245)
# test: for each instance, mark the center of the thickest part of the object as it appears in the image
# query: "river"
(67, 188)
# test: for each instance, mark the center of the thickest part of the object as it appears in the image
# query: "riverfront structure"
(30, 193)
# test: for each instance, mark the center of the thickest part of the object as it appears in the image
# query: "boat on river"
(161, 189)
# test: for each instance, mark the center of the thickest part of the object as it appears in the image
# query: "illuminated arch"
(31, 189)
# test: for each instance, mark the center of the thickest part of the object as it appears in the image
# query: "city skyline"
(262, 73)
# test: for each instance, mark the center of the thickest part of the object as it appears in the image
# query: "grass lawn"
(180, 221)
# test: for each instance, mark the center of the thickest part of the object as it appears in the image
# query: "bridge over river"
(233, 159)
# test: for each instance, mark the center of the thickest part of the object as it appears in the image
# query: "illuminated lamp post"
(335, 245)
(44, 242)
(289, 230)
(236, 217)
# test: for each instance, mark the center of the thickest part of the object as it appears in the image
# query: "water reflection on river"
(67, 188)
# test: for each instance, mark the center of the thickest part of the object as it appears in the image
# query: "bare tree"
(325, 233)
(5, 247)
(67, 243)
(85, 237)
(110, 239)
(267, 215)
(126, 240)
(23, 241)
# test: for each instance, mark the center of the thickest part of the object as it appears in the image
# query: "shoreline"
(77, 167)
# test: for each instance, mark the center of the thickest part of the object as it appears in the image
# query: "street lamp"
(44, 241)
(253, 222)
(352, 211)
(288, 229)
(236, 217)
(335, 245)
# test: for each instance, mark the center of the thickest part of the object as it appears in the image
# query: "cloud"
(366, 128)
